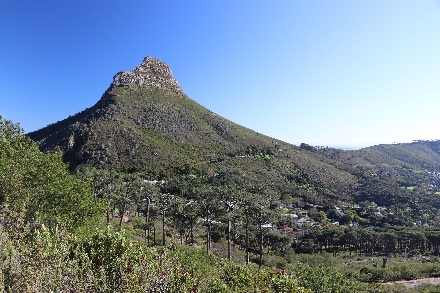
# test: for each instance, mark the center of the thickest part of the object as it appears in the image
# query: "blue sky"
(328, 73)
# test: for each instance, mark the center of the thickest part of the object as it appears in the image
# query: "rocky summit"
(151, 72)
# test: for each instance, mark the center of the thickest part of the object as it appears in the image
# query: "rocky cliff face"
(151, 72)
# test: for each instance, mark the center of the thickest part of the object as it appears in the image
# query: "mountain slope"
(424, 155)
(145, 123)
(405, 174)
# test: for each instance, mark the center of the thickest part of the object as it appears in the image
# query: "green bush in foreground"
(37, 188)
(53, 261)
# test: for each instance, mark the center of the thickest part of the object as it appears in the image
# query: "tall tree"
(263, 207)
(106, 185)
(148, 194)
(191, 213)
(227, 187)
(246, 208)
(163, 204)
(209, 206)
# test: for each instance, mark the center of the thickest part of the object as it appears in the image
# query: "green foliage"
(324, 279)
(36, 188)
(107, 261)
(349, 216)
(322, 215)
(162, 135)
(281, 282)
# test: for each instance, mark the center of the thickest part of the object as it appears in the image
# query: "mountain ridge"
(145, 123)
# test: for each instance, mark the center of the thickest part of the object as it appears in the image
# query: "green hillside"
(406, 173)
(422, 155)
(145, 124)
(159, 132)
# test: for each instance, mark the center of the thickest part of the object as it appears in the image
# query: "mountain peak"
(151, 72)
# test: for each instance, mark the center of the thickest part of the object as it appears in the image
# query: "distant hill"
(405, 173)
(145, 123)
(416, 155)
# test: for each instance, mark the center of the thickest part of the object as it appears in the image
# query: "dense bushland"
(49, 244)
(56, 235)
(107, 261)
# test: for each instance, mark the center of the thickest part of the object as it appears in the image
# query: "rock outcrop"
(151, 72)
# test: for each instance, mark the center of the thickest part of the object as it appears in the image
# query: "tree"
(349, 216)
(148, 194)
(163, 203)
(36, 188)
(263, 208)
(230, 200)
(209, 207)
(246, 208)
(191, 213)
(322, 215)
(177, 211)
(130, 195)
(106, 185)
(226, 187)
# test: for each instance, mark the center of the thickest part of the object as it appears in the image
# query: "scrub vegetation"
(148, 191)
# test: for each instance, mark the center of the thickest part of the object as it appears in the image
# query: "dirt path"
(413, 283)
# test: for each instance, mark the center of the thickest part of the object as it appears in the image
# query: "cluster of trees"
(37, 189)
(395, 240)
(218, 203)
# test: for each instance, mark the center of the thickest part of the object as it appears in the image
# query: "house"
(267, 226)
(302, 221)
(293, 219)
(339, 211)
(378, 214)
(335, 223)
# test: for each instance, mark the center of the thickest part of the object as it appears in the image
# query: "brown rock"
(151, 72)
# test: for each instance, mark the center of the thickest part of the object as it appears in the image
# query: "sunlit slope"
(420, 155)
(156, 131)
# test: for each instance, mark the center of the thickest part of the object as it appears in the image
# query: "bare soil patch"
(413, 283)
